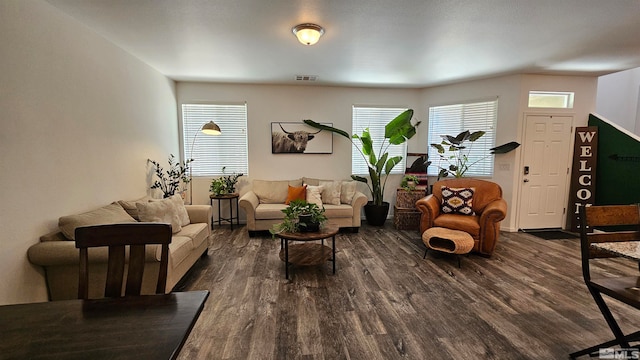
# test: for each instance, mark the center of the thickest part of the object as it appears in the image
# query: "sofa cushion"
(110, 214)
(180, 210)
(457, 200)
(130, 205)
(348, 191)
(273, 191)
(196, 232)
(163, 211)
(331, 192)
(179, 249)
(338, 211)
(270, 211)
(296, 193)
(312, 181)
(314, 195)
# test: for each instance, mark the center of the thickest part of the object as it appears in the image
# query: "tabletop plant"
(170, 181)
(458, 159)
(300, 216)
(409, 182)
(396, 132)
(225, 184)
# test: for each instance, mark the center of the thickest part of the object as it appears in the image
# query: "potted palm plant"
(396, 132)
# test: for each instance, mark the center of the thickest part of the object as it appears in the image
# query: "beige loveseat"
(263, 204)
(57, 254)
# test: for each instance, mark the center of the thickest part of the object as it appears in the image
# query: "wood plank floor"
(527, 301)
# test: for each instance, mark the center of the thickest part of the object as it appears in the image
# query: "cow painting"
(291, 138)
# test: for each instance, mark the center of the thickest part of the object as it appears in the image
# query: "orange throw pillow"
(296, 193)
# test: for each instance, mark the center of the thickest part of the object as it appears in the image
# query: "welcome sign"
(583, 176)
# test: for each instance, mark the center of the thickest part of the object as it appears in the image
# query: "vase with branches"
(170, 181)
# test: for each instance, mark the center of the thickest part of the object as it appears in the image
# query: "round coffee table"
(308, 253)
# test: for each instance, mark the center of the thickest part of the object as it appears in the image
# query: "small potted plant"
(225, 184)
(300, 216)
(409, 182)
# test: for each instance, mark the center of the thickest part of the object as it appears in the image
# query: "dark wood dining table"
(135, 327)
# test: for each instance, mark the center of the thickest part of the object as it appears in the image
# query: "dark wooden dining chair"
(116, 237)
(614, 223)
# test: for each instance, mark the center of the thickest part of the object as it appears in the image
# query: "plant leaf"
(391, 163)
(439, 147)
(476, 135)
(505, 148)
(359, 178)
(316, 125)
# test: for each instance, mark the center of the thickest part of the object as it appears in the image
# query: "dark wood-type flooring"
(527, 301)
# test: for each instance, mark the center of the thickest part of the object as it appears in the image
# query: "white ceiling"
(387, 43)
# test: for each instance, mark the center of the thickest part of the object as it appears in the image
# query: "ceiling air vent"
(306, 77)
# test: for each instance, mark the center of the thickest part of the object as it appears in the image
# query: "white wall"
(275, 103)
(80, 117)
(618, 98)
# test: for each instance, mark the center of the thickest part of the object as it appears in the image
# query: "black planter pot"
(306, 224)
(376, 215)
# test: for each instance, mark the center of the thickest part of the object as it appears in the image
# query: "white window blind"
(375, 118)
(211, 153)
(454, 119)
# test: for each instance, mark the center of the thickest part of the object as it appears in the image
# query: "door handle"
(526, 180)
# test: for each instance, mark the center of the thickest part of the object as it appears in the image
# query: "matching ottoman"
(447, 241)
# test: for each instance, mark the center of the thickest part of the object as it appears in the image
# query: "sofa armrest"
(249, 202)
(199, 214)
(56, 253)
(359, 200)
(429, 206)
(494, 212)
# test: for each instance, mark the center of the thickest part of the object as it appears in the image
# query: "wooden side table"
(229, 197)
(308, 253)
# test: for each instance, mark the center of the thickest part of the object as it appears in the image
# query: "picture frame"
(300, 138)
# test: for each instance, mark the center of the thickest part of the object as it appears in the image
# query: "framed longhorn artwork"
(300, 138)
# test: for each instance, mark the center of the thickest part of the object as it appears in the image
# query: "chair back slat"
(115, 271)
(117, 237)
(136, 270)
(612, 215)
(606, 217)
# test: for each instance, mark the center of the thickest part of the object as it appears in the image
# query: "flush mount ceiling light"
(308, 34)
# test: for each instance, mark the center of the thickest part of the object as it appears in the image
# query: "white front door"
(545, 171)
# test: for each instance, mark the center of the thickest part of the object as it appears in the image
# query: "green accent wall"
(617, 181)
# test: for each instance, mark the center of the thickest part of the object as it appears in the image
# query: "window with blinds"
(375, 118)
(211, 152)
(454, 119)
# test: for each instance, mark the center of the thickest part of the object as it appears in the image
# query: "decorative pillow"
(179, 208)
(457, 200)
(331, 192)
(296, 193)
(110, 214)
(348, 191)
(163, 211)
(130, 205)
(314, 195)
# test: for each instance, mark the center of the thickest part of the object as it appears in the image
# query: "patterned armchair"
(488, 206)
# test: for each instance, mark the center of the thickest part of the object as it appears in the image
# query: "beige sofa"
(263, 204)
(57, 254)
